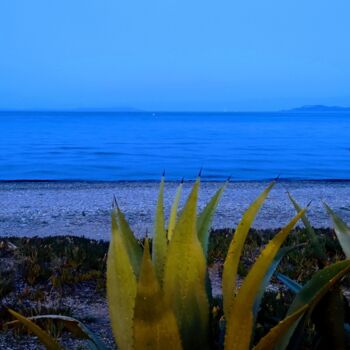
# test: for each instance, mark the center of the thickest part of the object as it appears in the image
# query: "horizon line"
(203, 179)
(304, 108)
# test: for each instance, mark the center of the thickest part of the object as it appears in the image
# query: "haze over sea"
(138, 146)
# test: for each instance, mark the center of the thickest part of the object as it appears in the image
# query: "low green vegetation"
(62, 260)
(159, 292)
(35, 270)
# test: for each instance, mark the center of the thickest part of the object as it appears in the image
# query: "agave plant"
(331, 330)
(162, 299)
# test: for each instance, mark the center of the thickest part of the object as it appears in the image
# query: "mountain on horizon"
(319, 108)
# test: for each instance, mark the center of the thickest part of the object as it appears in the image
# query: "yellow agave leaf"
(74, 326)
(205, 218)
(155, 326)
(121, 289)
(341, 229)
(239, 326)
(270, 340)
(184, 278)
(229, 275)
(173, 211)
(132, 246)
(49, 342)
(160, 242)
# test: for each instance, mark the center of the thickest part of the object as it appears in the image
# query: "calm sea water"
(138, 146)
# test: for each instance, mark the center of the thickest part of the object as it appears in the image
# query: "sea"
(59, 171)
(130, 146)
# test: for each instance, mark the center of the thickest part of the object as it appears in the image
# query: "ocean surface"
(99, 155)
(139, 146)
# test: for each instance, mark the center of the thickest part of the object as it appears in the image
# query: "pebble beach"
(83, 208)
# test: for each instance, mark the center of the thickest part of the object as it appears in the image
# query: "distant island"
(319, 108)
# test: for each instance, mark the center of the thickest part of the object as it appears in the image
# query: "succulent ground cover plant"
(161, 298)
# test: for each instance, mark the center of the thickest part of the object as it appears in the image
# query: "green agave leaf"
(205, 218)
(184, 278)
(265, 282)
(235, 250)
(341, 229)
(76, 327)
(297, 338)
(313, 291)
(239, 325)
(317, 247)
(270, 340)
(329, 318)
(291, 284)
(173, 211)
(160, 242)
(121, 288)
(155, 325)
(49, 342)
(133, 248)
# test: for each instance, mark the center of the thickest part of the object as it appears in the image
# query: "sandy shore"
(81, 208)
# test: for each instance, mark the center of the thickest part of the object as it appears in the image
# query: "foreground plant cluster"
(159, 292)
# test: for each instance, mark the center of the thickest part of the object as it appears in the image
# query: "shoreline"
(83, 208)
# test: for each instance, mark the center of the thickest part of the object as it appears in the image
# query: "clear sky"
(174, 54)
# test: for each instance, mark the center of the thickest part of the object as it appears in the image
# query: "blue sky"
(174, 54)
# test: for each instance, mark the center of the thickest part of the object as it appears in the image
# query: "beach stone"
(83, 208)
